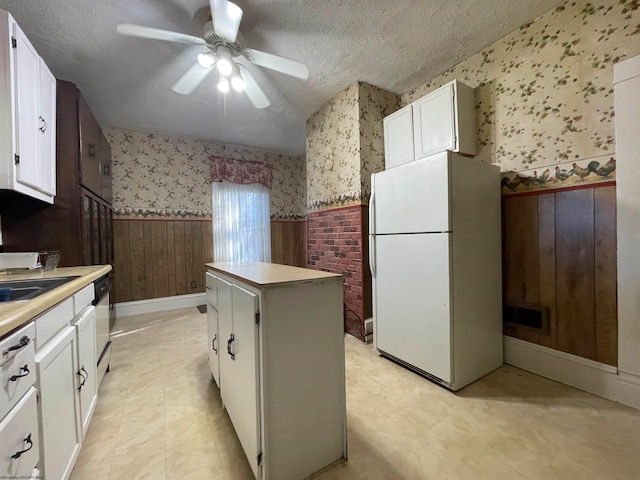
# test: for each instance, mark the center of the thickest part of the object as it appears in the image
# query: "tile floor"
(159, 416)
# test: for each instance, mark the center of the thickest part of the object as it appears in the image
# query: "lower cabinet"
(56, 365)
(280, 368)
(19, 438)
(212, 327)
(239, 364)
(86, 373)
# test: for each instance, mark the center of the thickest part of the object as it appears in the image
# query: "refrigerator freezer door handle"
(372, 215)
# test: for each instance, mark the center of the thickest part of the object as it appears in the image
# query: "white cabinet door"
(27, 63)
(214, 343)
(56, 365)
(19, 438)
(398, 138)
(47, 131)
(239, 366)
(87, 374)
(434, 123)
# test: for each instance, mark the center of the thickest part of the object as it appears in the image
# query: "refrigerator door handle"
(372, 215)
(372, 255)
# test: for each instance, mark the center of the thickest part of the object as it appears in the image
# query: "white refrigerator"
(435, 259)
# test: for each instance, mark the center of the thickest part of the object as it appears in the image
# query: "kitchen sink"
(20, 290)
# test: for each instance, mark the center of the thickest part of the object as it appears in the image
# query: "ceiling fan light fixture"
(225, 62)
(206, 59)
(237, 82)
(223, 84)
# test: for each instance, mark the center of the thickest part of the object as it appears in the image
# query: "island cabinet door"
(240, 372)
(214, 342)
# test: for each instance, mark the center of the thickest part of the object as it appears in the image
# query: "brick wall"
(337, 242)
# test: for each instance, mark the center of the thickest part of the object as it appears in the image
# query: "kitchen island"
(276, 350)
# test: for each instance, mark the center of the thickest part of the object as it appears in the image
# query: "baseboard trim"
(126, 309)
(593, 377)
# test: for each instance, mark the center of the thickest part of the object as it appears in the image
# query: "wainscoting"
(289, 242)
(160, 258)
(559, 252)
(163, 258)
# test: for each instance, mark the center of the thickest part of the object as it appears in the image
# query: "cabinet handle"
(213, 343)
(92, 150)
(24, 369)
(231, 354)
(23, 342)
(84, 379)
(105, 170)
(44, 125)
(18, 454)
(41, 127)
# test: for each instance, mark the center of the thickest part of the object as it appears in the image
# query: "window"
(241, 228)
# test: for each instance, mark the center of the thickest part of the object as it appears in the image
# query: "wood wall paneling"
(547, 263)
(122, 260)
(180, 257)
(575, 275)
(606, 311)
(288, 243)
(159, 243)
(161, 258)
(137, 261)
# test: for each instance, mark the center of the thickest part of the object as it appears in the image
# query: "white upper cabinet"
(441, 120)
(27, 116)
(398, 137)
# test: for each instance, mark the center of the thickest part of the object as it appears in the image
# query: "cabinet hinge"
(16, 159)
(260, 458)
(257, 318)
(14, 42)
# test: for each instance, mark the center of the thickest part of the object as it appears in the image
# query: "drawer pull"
(18, 454)
(24, 369)
(24, 341)
(231, 354)
(213, 343)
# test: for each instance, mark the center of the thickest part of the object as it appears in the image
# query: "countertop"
(15, 314)
(262, 275)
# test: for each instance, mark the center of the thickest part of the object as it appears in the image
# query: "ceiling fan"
(223, 44)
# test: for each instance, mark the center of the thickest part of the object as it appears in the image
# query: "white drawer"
(212, 289)
(83, 298)
(17, 367)
(19, 432)
(53, 321)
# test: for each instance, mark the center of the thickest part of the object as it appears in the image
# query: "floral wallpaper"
(345, 145)
(333, 147)
(155, 176)
(544, 93)
(375, 104)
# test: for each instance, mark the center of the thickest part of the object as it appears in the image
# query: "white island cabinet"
(279, 364)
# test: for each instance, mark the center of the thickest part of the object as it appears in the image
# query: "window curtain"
(240, 210)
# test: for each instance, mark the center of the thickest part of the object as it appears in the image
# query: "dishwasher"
(103, 344)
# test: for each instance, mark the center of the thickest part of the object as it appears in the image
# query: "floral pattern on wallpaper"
(375, 104)
(571, 174)
(333, 148)
(544, 93)
(156, 176)
(345, 145)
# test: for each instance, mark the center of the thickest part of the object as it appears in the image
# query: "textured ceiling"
(394, 44)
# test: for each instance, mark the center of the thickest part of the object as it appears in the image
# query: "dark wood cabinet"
(105, 169)
(90, 150)
(80, 222)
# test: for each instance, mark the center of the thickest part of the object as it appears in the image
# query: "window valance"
(240, 171)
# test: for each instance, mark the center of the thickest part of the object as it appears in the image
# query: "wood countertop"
(15, 314)
(261, 275)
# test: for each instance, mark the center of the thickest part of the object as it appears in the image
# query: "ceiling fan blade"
(253, 90)
(191, 79)
(226, 19)
(157, 34)
(277, 63)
